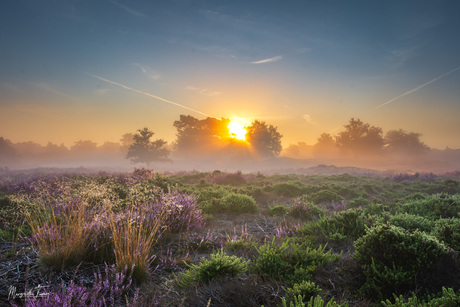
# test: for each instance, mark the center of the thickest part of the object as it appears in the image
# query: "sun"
(237, 130)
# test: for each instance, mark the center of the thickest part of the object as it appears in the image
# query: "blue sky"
(94, 70)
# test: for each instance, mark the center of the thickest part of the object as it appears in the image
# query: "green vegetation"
(278, 240)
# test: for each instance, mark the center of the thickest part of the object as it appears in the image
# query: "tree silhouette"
(400, 141)
(265, 140)
(145, 151)
(196, 136)
(360, 138)
(325, 146)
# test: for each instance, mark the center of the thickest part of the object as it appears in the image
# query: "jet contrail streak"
(417, 88)
(149, 95)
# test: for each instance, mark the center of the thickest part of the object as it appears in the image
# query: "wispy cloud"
(127, 9)
(417, 88)
(270, 60)
(308, 119)
(148, 71)
(203, 91)
(147, 94)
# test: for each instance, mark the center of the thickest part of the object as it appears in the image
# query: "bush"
(304, 210)
(342, 226)
(325, 196)
(411, 222)
(448, 231)
(219, 265)
(435, 206)
(448, 297)
(305, 290)
(278, 211)
(392, 257)
(290, 262)
(239, 203)
(358, 202)
(287, 189)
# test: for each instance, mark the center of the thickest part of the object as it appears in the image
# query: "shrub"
(279, 210)
(357, 202)
(411, 222)
(325, 196)
(342, 226)
(288, 189)
(448, 231)
(448, 297)
(304, 290)
(435, 206)
(304, 210)
(219, 265)
(392, 257)
(290, 262)
(239, 203)
(316, 301)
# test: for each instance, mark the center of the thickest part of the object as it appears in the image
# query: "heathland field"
(229, 239)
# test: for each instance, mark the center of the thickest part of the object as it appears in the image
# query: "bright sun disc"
(237, 130)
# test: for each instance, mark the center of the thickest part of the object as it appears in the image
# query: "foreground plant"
(219, 265)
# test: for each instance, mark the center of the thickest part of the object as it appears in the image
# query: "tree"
(196, 136)
(360, 138)
(265, 140)
(145, 151)
(400, 141)
(325, 146)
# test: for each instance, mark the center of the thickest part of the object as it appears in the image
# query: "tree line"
(210, 137)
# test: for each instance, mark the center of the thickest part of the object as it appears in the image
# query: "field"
(229, 239)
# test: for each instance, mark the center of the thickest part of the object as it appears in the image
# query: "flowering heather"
(286, 230)
(109, 290)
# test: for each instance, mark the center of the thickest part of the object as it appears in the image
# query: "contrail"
(149, 95)
(417, 88)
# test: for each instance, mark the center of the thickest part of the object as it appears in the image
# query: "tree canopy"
(264, 139)
(360, 138)
(196, 136)
(400, 141)
(143, 150)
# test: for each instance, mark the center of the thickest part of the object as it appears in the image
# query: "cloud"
(148, 72)
(270, 60)
(203, 91)
(308, 119)
(127, 9)
(417, 88)
(148, 94)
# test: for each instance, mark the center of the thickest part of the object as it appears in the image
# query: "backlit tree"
(143, 150)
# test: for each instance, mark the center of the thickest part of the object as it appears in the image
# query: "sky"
(94, 70)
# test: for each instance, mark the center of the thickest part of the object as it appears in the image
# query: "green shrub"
(316, 301)
(447, 298)
(435, 206)
(357, 202)
(411, 222)
(391, 258)
(291, 262)
(448, 231)
(219, 265)
(278, 211)
(342, 226)
(239, 203)
(287, 189)
(304, 289)
(304, 210)
(325, 196)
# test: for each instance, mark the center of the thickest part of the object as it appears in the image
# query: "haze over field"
(82, 74)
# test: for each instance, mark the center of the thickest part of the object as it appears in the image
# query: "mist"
(205, 145)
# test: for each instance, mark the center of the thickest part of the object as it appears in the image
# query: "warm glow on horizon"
(237, 130)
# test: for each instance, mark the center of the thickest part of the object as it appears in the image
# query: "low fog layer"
(208, 144)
